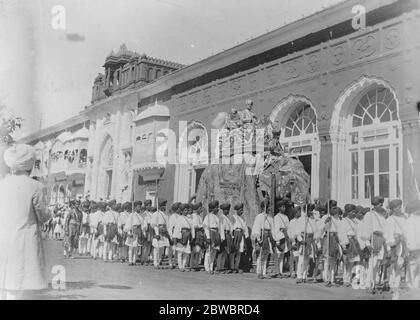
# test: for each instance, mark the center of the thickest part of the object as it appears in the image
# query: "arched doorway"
(106, 163)
(369, 144)
(297, 118)
(61, 198)
(197, 158)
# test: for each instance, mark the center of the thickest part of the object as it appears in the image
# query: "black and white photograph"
(236, 151)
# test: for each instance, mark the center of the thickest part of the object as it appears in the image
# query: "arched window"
(376, 106)
(301, 121)
(158, 73)
(106, 162)
(374, 146)
(83, 156)
(150, 74)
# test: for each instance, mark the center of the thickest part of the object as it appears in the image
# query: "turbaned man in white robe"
(23, 210)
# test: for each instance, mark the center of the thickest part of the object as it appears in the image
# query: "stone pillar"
(325, 167)
(143, 72)
(116, 170)
(96, 147)
(89, 163)
(340, 171)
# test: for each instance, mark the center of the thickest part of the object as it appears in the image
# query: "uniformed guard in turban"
(199, 241)
(213, 235)
(396, 231)
(162, 239)
(349, 241)
(174, 214)
(148, 233)
(226, 237)
(239, 234)
(372, 231)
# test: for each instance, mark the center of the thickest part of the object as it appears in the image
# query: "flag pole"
(372, 279)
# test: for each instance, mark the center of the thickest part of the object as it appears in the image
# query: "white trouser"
(182, 260)
(83, 245)
(395, 276)
(108, 251)
(89, 244)
(262, 264)
(195, 256)
(413, 273)
(132, 254)
(172, 255)
(373, 270)
(361, 273)
(302, 267)
(97, 248)
(157, 255)
(348, 271)
(330, 269)
(209, 258)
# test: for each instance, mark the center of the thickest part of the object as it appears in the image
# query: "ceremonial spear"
(328, 245)
(304, 232)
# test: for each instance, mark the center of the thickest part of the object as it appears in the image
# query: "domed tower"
(114, 64)
(127, 69)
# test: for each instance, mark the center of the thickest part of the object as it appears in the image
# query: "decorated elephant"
(250, 181)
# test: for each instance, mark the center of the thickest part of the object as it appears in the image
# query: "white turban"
(20, 157)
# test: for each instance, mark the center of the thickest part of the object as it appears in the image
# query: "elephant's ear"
(220, 120)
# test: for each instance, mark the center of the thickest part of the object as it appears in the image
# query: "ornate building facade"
(346, 98)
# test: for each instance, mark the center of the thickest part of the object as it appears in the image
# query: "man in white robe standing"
(23, 210)
(161, 240)
(212, 230)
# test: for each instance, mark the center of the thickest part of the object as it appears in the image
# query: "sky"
(46, 74)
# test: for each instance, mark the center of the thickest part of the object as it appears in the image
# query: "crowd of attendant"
(374, 248)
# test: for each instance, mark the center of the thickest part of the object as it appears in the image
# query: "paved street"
(89, 279)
